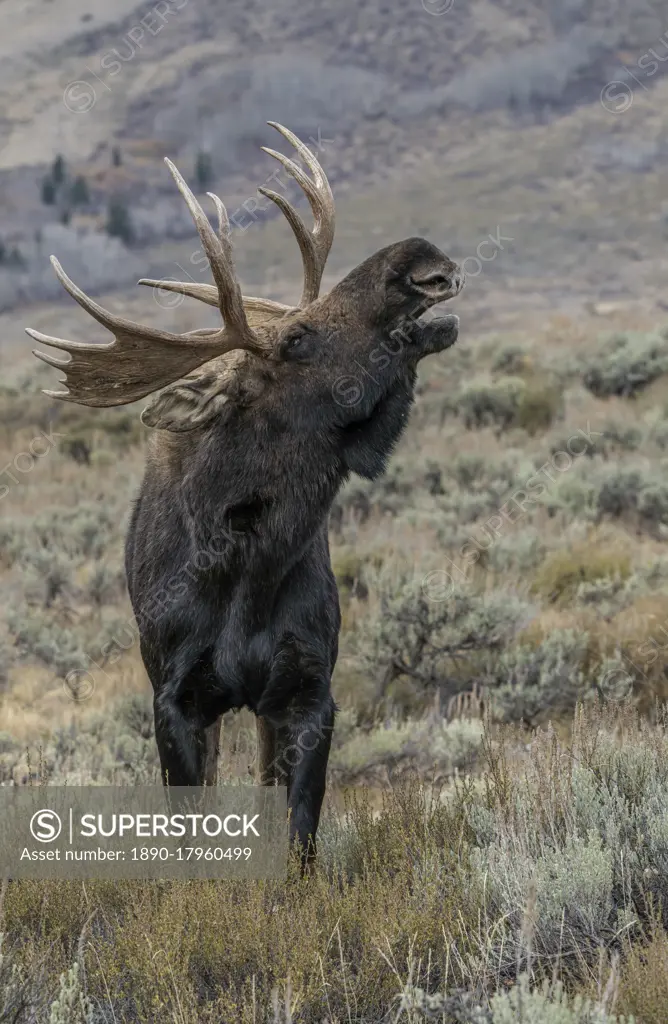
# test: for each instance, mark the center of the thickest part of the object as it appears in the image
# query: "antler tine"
(219, 253)
(256, 307)
(103, 316)
(195, 289)
(140, 359)
(316, 244)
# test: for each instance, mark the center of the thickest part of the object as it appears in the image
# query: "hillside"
(494, 836)
(486, 117)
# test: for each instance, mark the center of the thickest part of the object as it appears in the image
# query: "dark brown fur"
(227, 554)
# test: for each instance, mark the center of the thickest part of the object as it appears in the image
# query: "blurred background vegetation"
(495, 840)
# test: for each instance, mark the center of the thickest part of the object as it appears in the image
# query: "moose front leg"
(307, 746)
(181, 736)
(187, 730)
(296, 756)
(188, 708)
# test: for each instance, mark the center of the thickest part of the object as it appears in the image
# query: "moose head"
(257, 424)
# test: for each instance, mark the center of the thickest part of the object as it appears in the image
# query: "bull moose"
(227, 553)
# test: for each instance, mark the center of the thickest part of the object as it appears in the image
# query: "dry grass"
(399, 902)
(460, 891)
(643, 987)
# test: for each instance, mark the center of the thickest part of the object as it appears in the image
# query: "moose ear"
(186, 406)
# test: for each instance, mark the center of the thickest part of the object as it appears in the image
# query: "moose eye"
(298, 343)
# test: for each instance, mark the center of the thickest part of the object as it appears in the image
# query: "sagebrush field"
(497, 811)
(494, 845)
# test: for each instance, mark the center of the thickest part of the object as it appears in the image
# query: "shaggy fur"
(227, 555)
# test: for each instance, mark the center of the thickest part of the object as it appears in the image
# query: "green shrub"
(550, 1004)
(116, 748)
(22, 993)
(540, 404)
(531, 402)
(636, 492)
(564, 571)
(523, 1004)
(37, 635)
(491, 403)
(512, 360)
(348, 567)
(431, 633)
(78, 533)
(626, 364)
(431, 745)
(612, 439)
(574, 847)
(71, 1005)
(106, 584)
(518, 551)
(643, 988)
(530, 682)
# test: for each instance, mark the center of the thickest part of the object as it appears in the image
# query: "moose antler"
(314, 245)
(143, 359)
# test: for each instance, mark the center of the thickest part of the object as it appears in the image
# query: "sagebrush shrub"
(563, 572)
(626, 364)
(531, 401)
(491, 403)
(38, 635)
(428, 629)
(578, 840)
